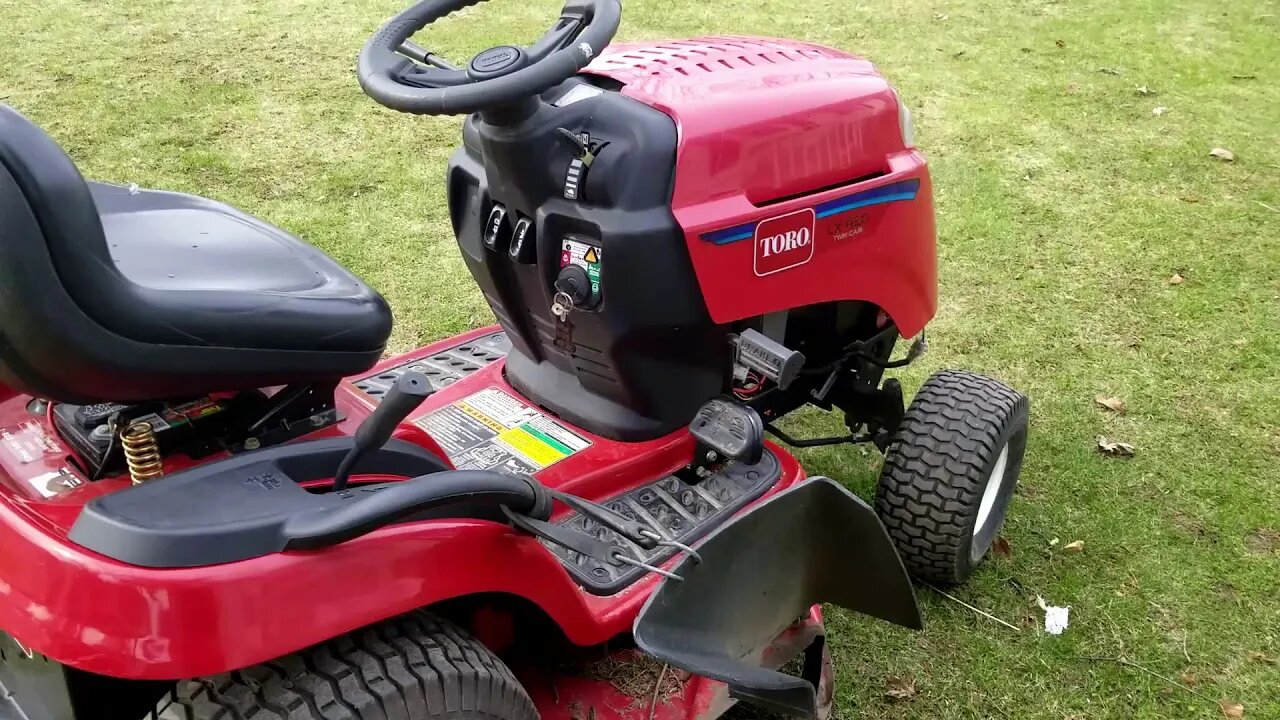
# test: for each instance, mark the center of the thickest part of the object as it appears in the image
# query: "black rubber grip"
(405, 396)
(385, 504)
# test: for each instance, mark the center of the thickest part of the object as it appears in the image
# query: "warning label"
(585, 256)
(492, 430)
(52, 484)
(27, 443)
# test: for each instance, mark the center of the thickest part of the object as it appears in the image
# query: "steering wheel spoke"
(421, 76)
(419, 54)
(558, 38)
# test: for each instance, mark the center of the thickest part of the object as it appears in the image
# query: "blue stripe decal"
(896, 192)
(733, 234)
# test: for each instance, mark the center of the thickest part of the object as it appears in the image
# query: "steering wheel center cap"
(496, 61)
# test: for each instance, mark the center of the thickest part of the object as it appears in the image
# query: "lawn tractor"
(219, 500)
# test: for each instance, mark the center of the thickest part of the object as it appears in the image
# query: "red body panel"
(100, 615)
(774, 127)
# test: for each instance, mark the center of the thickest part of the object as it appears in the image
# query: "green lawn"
(1065, 207)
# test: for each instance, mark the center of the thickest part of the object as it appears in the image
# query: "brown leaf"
(1223, 154)
(1231, 708)
(1001, 547)
(1114, 448)
(1189, 679)
(1176, 279)
(1114, 404)
(1074, 546)
(899, 689)
(1262, 658)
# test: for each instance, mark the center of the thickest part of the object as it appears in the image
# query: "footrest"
(671, 507)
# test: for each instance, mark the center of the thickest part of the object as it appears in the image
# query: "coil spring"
(141, 452)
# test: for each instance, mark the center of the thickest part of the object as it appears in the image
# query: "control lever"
(404, 397)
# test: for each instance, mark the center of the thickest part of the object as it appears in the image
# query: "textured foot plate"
(443, 368)
(674, 509)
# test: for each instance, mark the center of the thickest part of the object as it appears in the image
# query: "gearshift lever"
(404, 397)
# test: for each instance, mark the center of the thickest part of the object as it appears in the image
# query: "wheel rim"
(995, 482)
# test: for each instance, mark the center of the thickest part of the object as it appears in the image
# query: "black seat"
(118, 294)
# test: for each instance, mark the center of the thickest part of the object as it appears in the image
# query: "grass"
(1065, 206)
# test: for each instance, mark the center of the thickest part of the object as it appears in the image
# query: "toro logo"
(784, 242)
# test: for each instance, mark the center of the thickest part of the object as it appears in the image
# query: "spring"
(141, 452)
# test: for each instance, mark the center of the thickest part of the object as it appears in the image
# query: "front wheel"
(413, 667)
(950, 472)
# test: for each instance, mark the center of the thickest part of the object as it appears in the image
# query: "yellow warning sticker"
(491, 430)
(530, 446)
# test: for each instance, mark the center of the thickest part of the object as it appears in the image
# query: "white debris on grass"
(1055, 618)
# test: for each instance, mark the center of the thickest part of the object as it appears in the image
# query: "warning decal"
(492, 430)
(585, 256)
(28, 443)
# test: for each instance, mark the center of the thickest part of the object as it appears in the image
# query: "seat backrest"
(43, 201)
(58, 198)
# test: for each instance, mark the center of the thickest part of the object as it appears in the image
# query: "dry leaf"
(1001, 547)
(1262, 658)
(1176, 279)
(1231, 708)
(1114, 404)
(1223, 154)
(1143, 90)
(1074, 546)
(1159, 110)
(1114, 449)
(940, 16)
(1189, 679)
(1109, 71)
(899, 689)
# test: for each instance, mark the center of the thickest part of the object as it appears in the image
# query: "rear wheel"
(950, 472)
(413, 667)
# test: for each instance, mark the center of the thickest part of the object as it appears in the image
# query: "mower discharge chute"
(216, 500)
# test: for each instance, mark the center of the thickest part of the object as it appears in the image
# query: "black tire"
(413, 667)
(937, 469)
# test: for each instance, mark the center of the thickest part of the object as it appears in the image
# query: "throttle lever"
(404, 397)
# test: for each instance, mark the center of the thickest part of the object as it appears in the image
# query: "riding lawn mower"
(218, 499)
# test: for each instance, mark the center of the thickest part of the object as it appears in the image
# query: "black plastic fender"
(815, 542)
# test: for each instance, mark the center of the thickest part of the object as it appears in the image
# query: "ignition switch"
(574, 282)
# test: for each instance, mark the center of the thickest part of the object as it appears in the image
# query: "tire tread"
(933, 475)
(412, 667)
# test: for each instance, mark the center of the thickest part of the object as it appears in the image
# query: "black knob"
(574, 282)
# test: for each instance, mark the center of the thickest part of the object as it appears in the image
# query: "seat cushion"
(210, 274)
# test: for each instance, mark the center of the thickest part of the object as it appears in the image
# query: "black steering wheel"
(409, 78)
